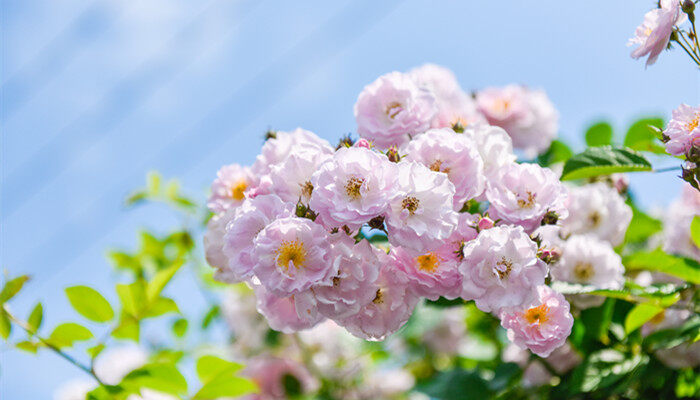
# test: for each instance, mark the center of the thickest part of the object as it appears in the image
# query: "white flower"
(495, 147)
(597, 209)
(291, 178)
(677, 221)
(588, 260)
(277, 149)
(420, 215)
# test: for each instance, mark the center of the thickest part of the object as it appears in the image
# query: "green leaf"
(209, 367)
(660, 295)
(160, 306)
(457, 384)
(658, 260)
(672, 337)
(128, 328)
(89, 303)
(558, 152)
(212, 314)
(94, 351)
(443, 302)
(30, 347)
(642, 135)
(132, 297)
(604, 160)
(639, 315)
(157, 284)
(153, 180)
(180, 327)
(107, 392)
(12, 287)
(162, 377)
(36, 317)
(641, 227)
(597, 320)
(5, 325)
(695, 230)
(604, 368)
(599, 134)
(66, 334)
(219, 379)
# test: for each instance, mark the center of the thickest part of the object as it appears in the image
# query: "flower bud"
(364, 143)
(458, 127)
(393, 154)
(270, 134)
(484, 223)
(550, 218)
(345, 141)
(688, 6)
(550, 256)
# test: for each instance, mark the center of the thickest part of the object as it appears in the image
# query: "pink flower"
(229, 187)
(270, 373)
(354, 286)
(251, 218)
(281, 313)
(450, 251)
(214, 244)
(453, 105)
(485, 223)
(392, 108)
(543, 326)
(363, 143)
(590, 261)
(277, 149)
(420, 215)
(501, 269)
(599, 210)
(392, 305)
(494, 146)
(291, 178)
(292, 255)
(527, 115)
(352, 187)
(654, 33)
(443, 150)
(429, 274)
(524, 194)
(683, 131)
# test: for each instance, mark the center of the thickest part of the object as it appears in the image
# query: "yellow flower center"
(393, 109)
(238, 190)
(523, 203)
(437, 167)
(501, 105)
(291, 251)
(410, 203)
(353, 186)
(503, 268)
(583, 271)
(428, 262)
(537, 314)
(694, 123)
(306, 189)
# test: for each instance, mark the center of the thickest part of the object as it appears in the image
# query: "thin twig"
(667, 169)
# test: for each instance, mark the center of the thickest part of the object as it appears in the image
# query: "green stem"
(49, 345)
(667, 169)
(692, 55)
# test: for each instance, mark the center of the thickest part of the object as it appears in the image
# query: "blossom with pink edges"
(354, 285)
(392, 109)
(443, 150)
(680, 214)
(229, 188)
(653, 35)
(450, 251)
(494, 146)
(542, 326)
(237, 247)
(501, 270)
(291, 178)
(597, 209)
(526, 114)
(525, 194)
(429, 274)
(214, 245)
(683, 131)
(352, 187)
(269, 373)
(420, 215)
(292, 255)
(281, 313)
(453, 105)
(278, 148)
(391, 307)
(588, 260)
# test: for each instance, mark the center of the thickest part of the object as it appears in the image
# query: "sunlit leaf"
(599, 134)
(132, 297)
(162, 277)
(5, 325)
(659, 261)
(179, 327)
(695, 230)
(30, 347)
(643, 135)
(639, 315)
(558, 152)
(604, 160)
(64, 335)
(90, 303)
(211, 315)
(162, 377)
(35, 318)
(12, 287)
(160, 306)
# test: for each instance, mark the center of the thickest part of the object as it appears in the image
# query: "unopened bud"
(550, 256)
(364, 143)
(270, 134)
(458, 127)
(345, 141)
(484, 223)
(550, 218)
(688, 6)
(393, 154)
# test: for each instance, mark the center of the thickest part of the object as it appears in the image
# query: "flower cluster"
(359, 234)
(682, 139)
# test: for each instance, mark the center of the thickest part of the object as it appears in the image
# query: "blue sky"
(97, 93)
